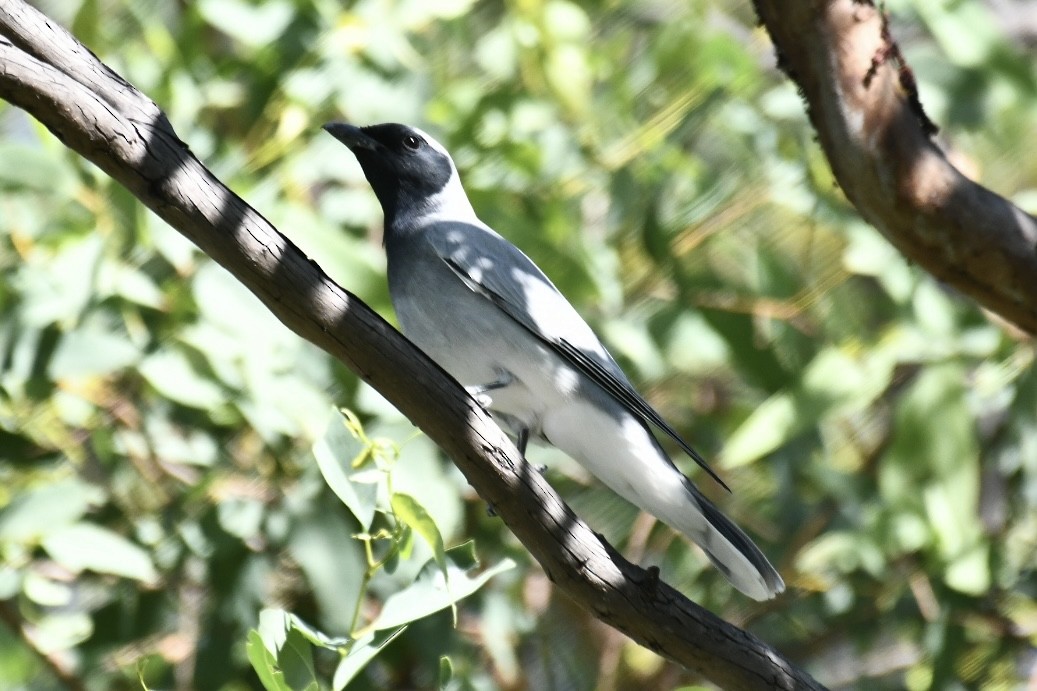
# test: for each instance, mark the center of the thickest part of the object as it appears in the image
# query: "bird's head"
(411, 173)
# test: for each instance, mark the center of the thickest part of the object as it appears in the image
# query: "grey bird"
(491, 318)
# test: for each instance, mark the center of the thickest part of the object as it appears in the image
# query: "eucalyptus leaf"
(264, 663)
(433, 590)
(363, 651)
(43, 510)
(335, 452)
(408, 510)
(83, 546)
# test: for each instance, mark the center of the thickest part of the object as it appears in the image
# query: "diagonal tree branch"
(862, 100)
(45, 71)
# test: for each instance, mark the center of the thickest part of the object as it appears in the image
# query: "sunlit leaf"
(248, 23)
(43, 510)
(173, 375)
(335, 452)
(408, 510)
(83, 546)
(362, 652)
(434, 591)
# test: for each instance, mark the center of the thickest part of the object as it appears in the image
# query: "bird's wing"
(500, 272)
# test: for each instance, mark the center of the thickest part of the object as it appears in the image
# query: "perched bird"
(491, 318)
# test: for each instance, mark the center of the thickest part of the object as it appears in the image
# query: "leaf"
(435, 485)
(293, 658)
(273, 628)
(46, 592)
(318, 638)
(413, 514)
(296, 660)
(969, 573)
(173, 376)
(265, 664)
(834, 383)
(34, 514)
(446, 671)
(32, 168)
(241, 517)
(61, 631)
(90, 351)
(129, 283)
(59, 288)
(83, 546)
(334, 453)
(362, 652)
(434, 590)
(333, 563)
(252, 24)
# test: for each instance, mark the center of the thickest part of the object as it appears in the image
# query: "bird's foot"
(482, 399)
(479, 393)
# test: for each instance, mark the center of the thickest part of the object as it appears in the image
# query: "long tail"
(731, 550)
(618, 448)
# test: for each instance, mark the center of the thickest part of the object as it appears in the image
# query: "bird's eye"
(412, 142)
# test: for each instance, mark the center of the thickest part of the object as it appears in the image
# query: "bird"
(479, 307)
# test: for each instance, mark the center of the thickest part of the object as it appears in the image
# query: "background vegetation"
(162, 438)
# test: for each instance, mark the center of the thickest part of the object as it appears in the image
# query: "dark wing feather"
(489, 286)
(629, 397)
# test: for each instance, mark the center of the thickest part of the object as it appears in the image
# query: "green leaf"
(318, 638)
(253, 25)
(335, 453)
(770, 425)
(362, 652)
(446, 671)
(130, 283)
(281, 636)
(61, 631)
(33, 168)
(464, 556)
(834, 383)
(265, 664)
(434, 484)
(84, 546)
(58, 288)
(273, 628)
(296, 659)
(38, 512)
(173, 376)
(90, 351)
(969, 573)
(46, 592)
(434, 590)
(333, 562)
(413, 514)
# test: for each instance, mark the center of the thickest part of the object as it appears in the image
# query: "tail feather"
(732, 552)
(619, 449)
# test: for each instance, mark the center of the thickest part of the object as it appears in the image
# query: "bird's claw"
(484, 401)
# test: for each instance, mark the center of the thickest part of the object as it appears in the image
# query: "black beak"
(351, 136)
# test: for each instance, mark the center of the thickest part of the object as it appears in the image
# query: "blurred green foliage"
(162, 438)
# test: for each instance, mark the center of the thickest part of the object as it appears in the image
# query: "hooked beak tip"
(350, 135)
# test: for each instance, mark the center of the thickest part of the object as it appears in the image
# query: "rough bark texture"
(95, 112)
(862, 100)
